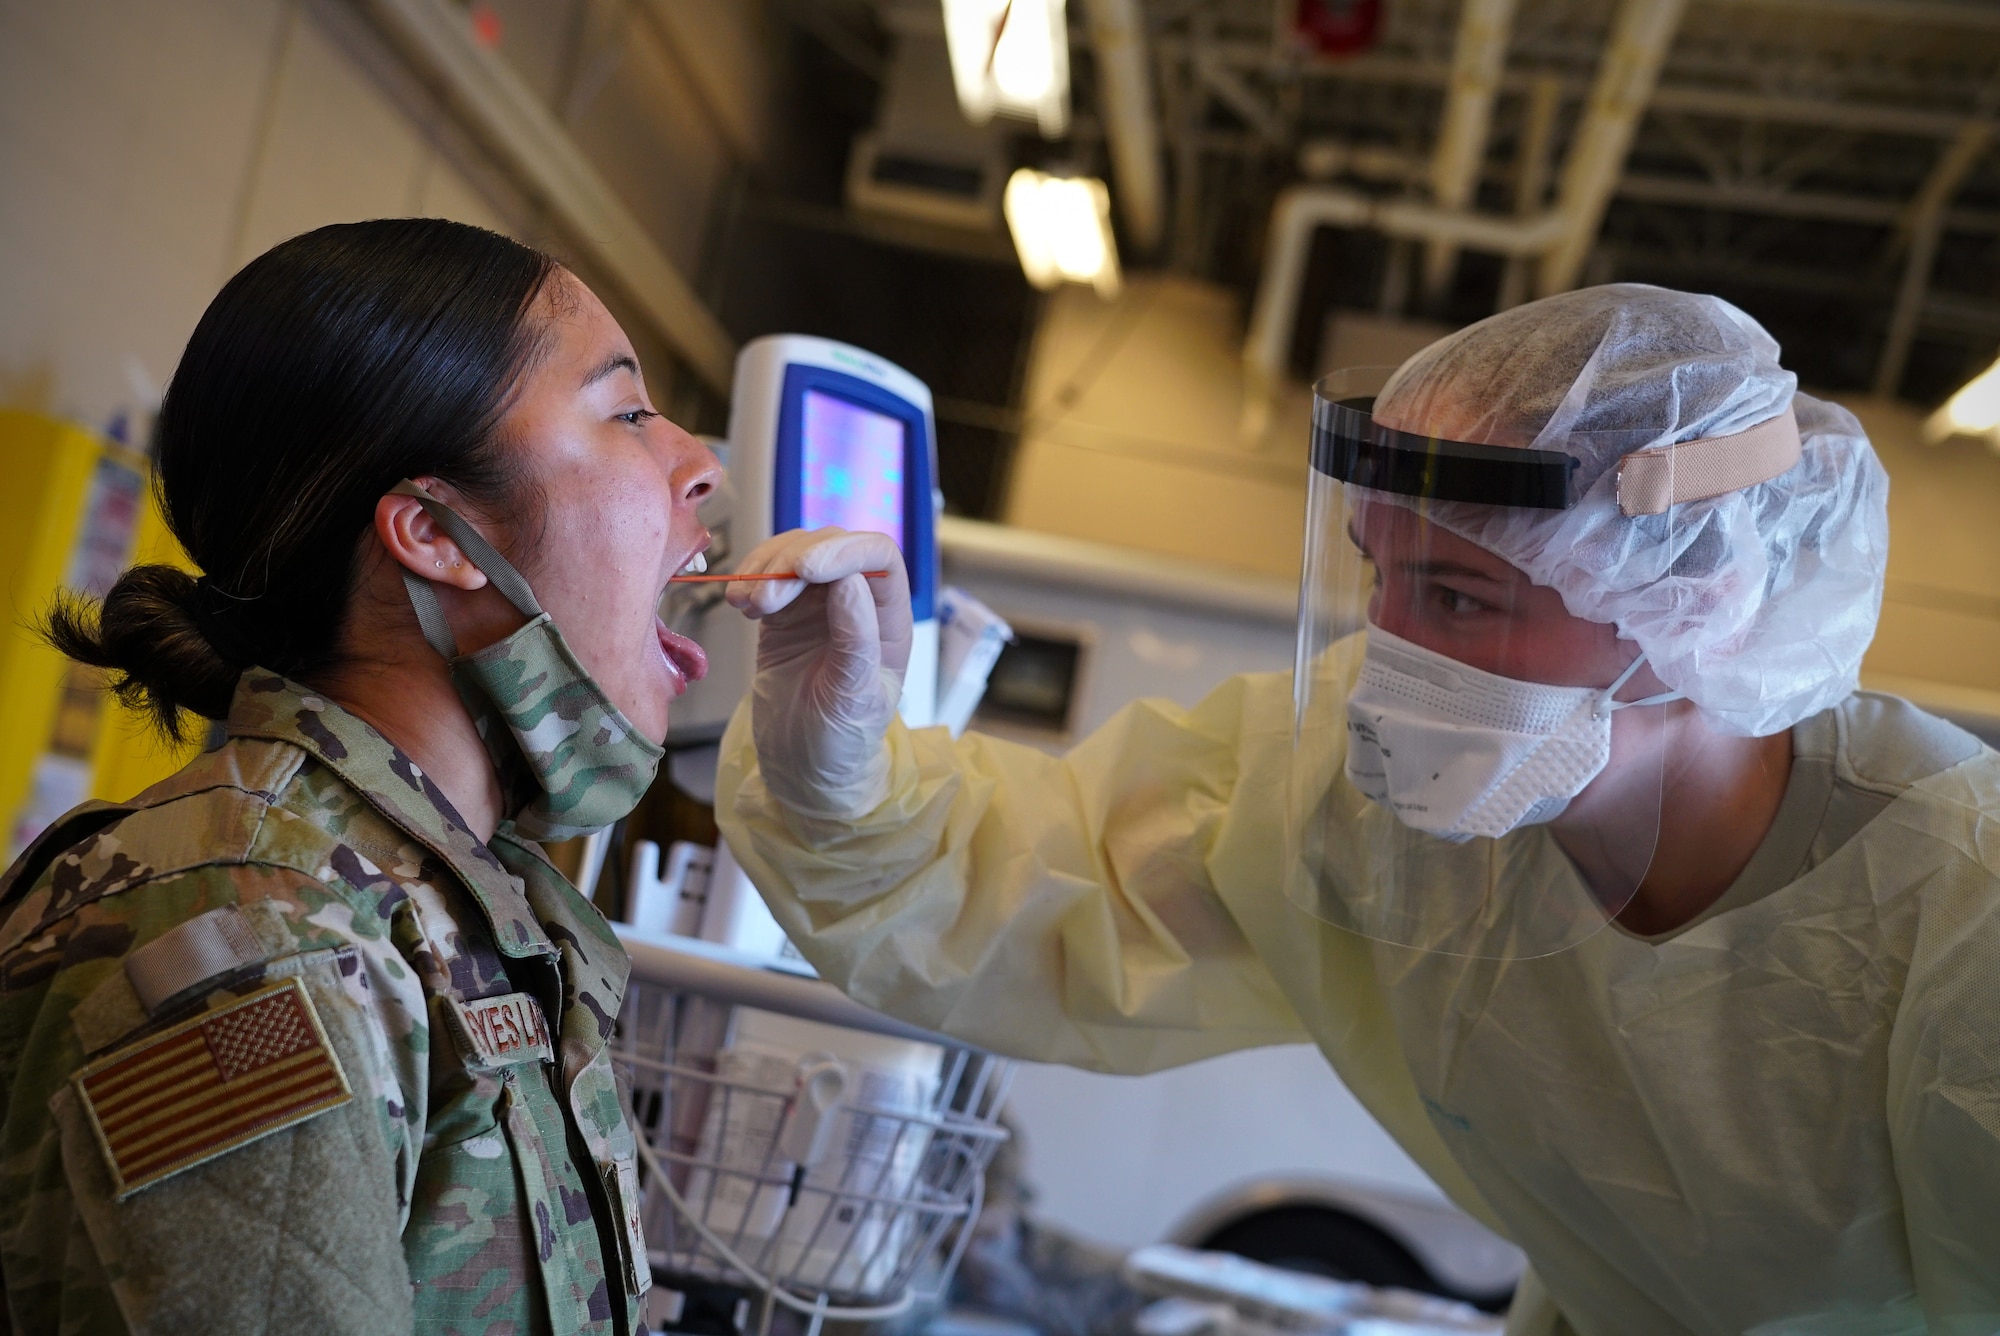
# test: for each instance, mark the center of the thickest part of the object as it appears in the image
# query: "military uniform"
(284, 1047)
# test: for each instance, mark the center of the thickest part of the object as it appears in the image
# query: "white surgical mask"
(1458, 752)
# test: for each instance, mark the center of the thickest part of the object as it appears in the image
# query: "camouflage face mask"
(569, 761)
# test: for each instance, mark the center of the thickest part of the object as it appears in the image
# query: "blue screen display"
(853, 453)
(851, 466)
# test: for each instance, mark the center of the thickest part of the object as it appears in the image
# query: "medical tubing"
(818, 1309)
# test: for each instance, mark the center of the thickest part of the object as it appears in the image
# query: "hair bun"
(149, 633)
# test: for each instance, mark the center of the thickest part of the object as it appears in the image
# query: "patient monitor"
(820, 434)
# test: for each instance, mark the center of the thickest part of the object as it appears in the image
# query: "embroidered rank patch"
(210, 1084)
(501, 1031)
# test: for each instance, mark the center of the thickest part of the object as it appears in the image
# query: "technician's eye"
(636, 416)
(1459, 603)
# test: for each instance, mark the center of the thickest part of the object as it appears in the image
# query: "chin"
(654, 715)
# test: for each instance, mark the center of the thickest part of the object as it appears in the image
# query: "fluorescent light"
(1973, 411)
(1010, 58)
(1062, 230)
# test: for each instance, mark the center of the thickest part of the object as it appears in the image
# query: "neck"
(409, 699)
(1718, 798)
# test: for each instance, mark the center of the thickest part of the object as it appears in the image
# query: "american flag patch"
(210, 1084)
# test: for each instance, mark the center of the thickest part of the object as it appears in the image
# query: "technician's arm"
(1063, 909)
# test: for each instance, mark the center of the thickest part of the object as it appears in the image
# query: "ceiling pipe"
(1560, 236)
(1476, 65)
(1532, 168)
(436, 37)
(1640, 36)
(1324, 159)
(1131, 131)
(1301, 211)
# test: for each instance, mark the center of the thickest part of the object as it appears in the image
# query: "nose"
(696, 472)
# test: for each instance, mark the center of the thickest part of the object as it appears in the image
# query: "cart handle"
(655, 961)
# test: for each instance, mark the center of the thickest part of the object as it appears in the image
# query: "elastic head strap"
(496, 568)
(1651, 480)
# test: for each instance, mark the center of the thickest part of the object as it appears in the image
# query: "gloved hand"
(830, 661)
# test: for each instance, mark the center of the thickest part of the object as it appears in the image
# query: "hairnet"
(1757, 604)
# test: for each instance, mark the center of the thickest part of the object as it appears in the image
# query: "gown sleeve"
(1061, 909)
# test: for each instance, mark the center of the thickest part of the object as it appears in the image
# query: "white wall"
(1140, 399)
(148, 150)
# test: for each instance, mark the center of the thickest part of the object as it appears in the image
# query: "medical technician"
(1661, 948)
(311, 1037)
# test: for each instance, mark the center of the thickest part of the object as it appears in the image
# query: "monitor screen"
(851, 462)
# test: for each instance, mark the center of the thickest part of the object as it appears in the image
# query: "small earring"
(440, 565)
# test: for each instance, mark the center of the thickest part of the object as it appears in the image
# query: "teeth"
(697, 564)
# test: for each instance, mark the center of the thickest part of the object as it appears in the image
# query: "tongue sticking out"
(684, 654)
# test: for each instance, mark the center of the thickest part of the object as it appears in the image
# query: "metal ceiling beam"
(1228, 88)
(1808, 111)
(1743, 198)
(1903, 13)
(1926, 226)
(1876, 118)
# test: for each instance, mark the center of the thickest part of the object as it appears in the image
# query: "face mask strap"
(484, 556)
(1606, 705)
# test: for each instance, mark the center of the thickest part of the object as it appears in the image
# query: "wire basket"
(795, 1144)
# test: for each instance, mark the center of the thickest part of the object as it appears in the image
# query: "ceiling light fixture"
(1062, 230)
(1973, 411)
(1010, 58)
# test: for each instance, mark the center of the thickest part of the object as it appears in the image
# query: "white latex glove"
(830, 660)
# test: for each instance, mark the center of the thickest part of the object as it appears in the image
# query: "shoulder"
(252, 863)
(256, 825)
(1887, 745)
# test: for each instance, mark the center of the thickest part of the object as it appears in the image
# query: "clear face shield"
(1469, 772)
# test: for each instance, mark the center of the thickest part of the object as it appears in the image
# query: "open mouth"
(685, 659)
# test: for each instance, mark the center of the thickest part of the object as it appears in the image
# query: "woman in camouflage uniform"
(311, 1036)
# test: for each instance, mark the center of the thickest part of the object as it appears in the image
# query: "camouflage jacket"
(477, 1173)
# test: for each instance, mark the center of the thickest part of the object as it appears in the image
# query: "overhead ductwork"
(1131, 128)
(1477, 61)
(1558, 238)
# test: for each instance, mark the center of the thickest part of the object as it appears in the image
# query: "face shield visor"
(1471, 773)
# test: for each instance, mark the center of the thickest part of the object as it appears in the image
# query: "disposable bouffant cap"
(1756, 603)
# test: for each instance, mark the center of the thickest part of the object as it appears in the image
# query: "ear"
(409, 534)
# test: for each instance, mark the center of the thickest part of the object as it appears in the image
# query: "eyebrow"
(615, 362)
(1452, 568)
(1456, 569)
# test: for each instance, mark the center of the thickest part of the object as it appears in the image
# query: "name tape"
(501, 1031)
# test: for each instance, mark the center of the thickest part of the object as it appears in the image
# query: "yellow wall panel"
(47, 465)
